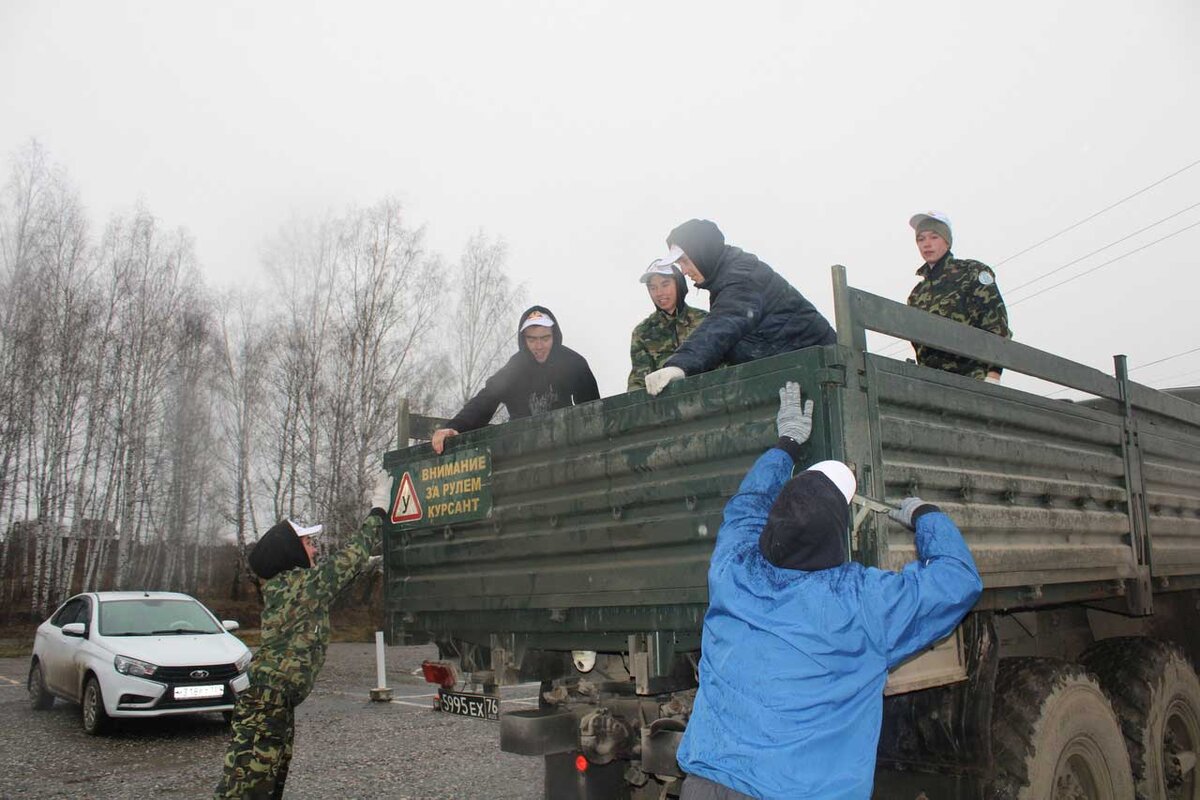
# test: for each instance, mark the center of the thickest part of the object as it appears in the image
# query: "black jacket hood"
(277, 551)
(806, 526)
(703, 243)
(555, 329)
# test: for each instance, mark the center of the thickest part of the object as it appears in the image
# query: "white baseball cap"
(657, 269)
(840, 474)
(673, 255)
(536, 318)
(305, 530)
(917, 219)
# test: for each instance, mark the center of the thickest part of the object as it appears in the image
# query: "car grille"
(182, 676)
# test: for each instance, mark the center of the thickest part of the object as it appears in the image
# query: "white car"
(136, 654)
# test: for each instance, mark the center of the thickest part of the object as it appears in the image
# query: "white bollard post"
(380, 693)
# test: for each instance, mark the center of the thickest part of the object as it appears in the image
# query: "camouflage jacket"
(656, 338)
(295, 619)
(965, 291)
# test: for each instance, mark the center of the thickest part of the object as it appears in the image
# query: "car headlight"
(243, 661)
(131, 666)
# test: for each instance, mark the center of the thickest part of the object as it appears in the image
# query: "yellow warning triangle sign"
(407, 507)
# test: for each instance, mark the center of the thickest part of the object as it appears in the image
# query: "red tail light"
(439, 672)
(581, 763)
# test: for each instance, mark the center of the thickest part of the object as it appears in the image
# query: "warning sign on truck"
(446, 490)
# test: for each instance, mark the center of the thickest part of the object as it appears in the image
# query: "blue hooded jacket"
(794, 663)
(754, 312)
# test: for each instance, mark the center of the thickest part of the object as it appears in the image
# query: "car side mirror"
(77, 629)
(230, 624)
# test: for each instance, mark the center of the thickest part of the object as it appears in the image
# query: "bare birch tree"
(243, 347)
(483, 328)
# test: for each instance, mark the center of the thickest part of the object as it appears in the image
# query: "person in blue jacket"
(798, 640)
(753, 311)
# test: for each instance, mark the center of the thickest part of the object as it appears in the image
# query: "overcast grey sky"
(582, 133)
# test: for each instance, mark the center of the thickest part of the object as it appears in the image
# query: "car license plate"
(198, 692)
(479, 706)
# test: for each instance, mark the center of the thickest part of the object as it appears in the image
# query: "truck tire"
(1156, 695)
(1055, 736)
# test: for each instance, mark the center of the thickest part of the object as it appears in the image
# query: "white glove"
(381, 494)
(908, 507)
(657, 381)
(793, 420)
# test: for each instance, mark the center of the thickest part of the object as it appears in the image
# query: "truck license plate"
(198, 692)
(479, 706)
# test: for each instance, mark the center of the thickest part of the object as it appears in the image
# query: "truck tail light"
(581, 763)
(439, 672)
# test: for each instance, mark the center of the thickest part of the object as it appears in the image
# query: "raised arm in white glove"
(657, 381)
(381, 493)
(793, 421)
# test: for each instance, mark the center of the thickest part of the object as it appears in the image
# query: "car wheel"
(95, 718)
(39, 698)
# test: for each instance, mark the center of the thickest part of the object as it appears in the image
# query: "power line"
(1102, 249)
(1143, 366)
(1177, 376)
(1104, 210)
(1105, 264)
(1168, 358)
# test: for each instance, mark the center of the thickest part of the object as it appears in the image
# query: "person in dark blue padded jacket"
(753, 311)
(798, 640)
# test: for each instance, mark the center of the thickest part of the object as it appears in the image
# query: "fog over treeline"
(145, 415)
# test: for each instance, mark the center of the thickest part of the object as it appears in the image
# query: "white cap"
(673, 255)
(840, 474)
(303, 530)
(917, 219)
(657, 269)
(537, 318)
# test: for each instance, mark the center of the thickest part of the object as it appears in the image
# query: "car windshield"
(146, 616)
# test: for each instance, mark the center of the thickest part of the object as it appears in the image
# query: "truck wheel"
(1156, 695)
(1055, 736)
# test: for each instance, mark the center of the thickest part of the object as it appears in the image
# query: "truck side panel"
(604, 515)
(1036, 485)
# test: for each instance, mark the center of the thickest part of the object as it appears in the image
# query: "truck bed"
(600, 519)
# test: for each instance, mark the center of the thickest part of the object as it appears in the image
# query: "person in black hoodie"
(543, 375)
(754, 312)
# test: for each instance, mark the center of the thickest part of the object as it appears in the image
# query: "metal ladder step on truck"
(570, 549)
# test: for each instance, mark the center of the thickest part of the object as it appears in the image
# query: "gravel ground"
(346, 746)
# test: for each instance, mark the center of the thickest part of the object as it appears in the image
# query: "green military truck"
(571, 549)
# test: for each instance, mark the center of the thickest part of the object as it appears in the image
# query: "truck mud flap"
(539, 732)
(660, 743)
(565, 781)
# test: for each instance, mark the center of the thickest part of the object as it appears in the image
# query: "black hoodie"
(278, 550)
(754, 313)
(526, 387)
(806, 526)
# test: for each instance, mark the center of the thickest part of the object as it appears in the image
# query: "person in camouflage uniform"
(956, 288)
(659, 335)
(295, 632)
